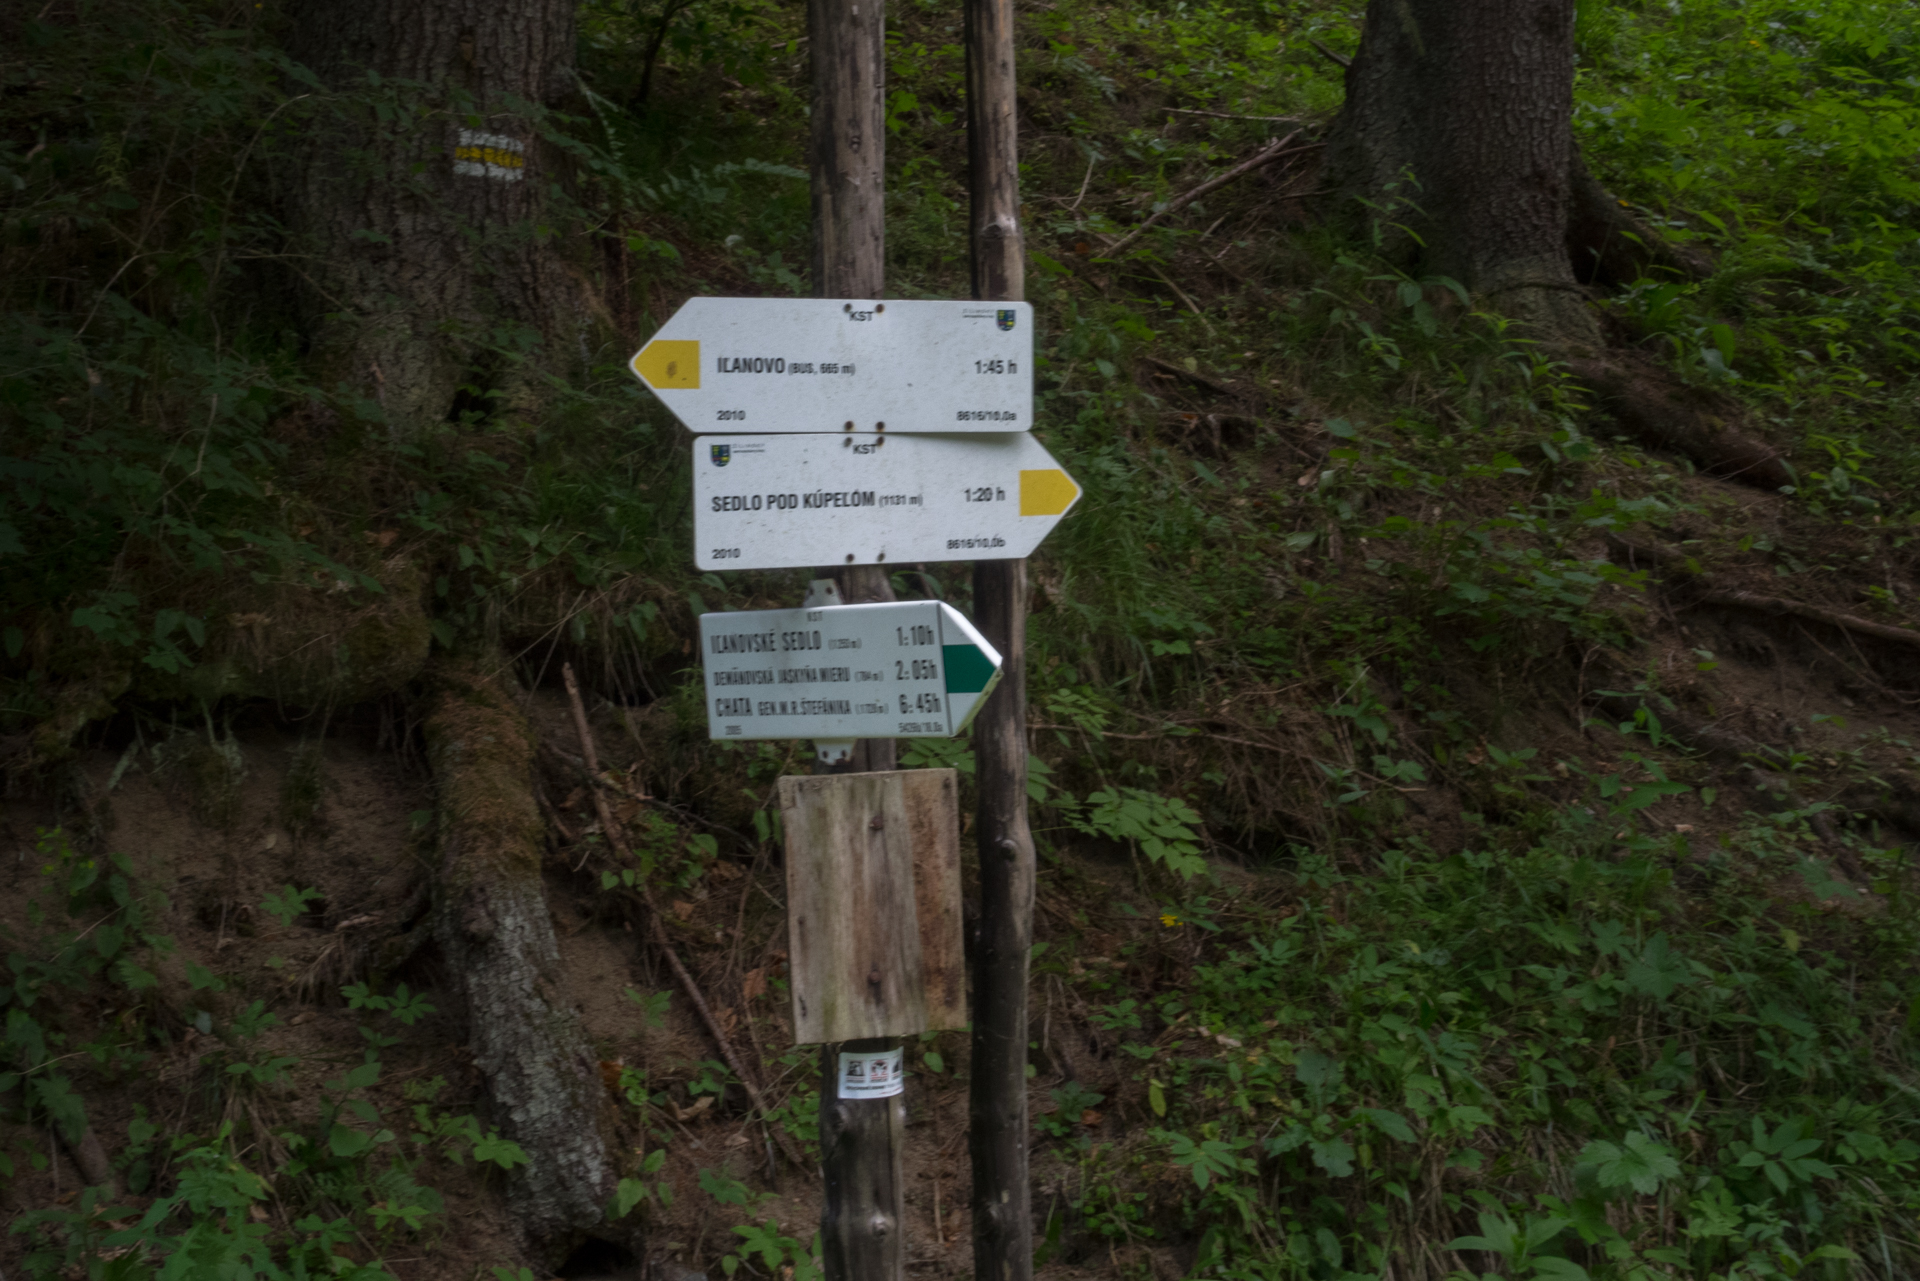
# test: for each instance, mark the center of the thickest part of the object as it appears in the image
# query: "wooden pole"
(862, 1213)
(1002, 1202)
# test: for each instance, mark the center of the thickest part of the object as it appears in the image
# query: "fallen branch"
(566, 757)
(1265, 156)
(591, 757)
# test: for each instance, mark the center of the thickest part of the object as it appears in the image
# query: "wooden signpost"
(872, 852)
(862, 1139)
(997, 1105)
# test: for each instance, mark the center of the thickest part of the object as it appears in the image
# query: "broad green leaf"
(1391, 1123)
(1335, 1156)
(1637, 1161)
(630, 1193)
(1658, 970)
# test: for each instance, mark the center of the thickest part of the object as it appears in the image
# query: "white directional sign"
(906, 669)
(839, 365)
(780, 502)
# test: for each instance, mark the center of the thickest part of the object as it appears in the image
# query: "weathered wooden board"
(873, 904)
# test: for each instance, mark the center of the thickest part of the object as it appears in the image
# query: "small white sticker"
(871, 1076)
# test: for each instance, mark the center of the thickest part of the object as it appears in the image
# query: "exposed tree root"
(492, 923)
(1665, 414)
(1891, 798)
(1609, 246)
(1895, 802)
(1725, 745)
(1711, 594)
(1833, 618)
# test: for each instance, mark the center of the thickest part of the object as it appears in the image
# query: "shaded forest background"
(1476, 838)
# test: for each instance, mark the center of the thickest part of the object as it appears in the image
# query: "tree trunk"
(419, 222)
(493, 926)
(417, 203)
(862, 1141)
(1002, 1197)
(1457, 139)
(849, 147)
(1458, 126)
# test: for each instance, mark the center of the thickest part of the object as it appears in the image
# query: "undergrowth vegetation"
(1414, 966)
(1613, 1065)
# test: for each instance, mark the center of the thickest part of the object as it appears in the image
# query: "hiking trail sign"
(896, 669)
(784, 502)
(840, 365)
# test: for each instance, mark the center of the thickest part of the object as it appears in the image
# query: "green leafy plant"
(774, 1253)
(1783, 1156)
(1520, 1244)
(1163, 828)
(1637, 1162)
(288, 904)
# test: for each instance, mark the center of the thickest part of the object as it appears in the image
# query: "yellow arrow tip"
(1046, 493)
(669, 364)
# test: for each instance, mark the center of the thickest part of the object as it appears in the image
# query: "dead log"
(491, 921)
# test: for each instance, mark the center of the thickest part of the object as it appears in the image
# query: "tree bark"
(999, 256)
(491, 922)
(997, 1099)
(1002, 1200)
(849, 152)
(862, 1141)
(1458, 127)
(420, 230)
